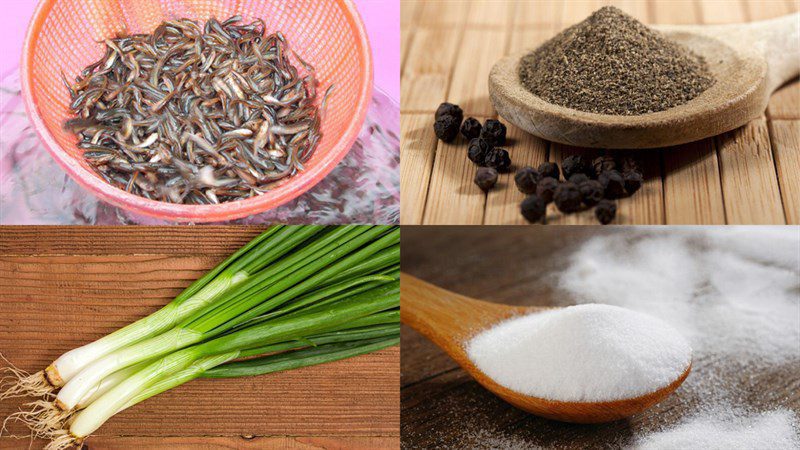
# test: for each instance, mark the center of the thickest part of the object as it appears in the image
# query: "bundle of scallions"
(294, 296)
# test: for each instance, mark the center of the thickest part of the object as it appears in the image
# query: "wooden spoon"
(749, 62)
(450, 320)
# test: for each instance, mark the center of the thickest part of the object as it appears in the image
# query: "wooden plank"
(575, 11)
(636, 8)
(684, 12)
(453, 197)
(65, 295)
(502, 202)
(498, 13)
(766, 9)
(477, 54)
(785, 138)
(409, 13)
(443, 13)
(222, 443)
(749, 182)
(419, 147)
(692, 190)
(722, 11)
(785, 103)
(691, 182)
(107, 240)
(428, 68)
(547, 12)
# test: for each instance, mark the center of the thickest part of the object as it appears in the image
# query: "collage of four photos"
(400, 224)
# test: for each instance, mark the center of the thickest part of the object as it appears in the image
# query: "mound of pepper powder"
(612, 64)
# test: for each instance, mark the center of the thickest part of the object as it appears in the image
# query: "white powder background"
(734, 292)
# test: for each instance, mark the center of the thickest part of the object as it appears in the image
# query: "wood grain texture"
(61, 287)
(684, 183)
(443, 407)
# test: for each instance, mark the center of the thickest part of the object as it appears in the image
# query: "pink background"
(382, 18)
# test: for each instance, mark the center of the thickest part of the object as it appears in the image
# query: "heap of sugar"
(584, 353)
(732, 292)
(721, 429)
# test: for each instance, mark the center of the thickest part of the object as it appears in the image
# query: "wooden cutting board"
(61, 287)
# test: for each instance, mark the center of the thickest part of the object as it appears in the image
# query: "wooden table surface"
(61, 287)
(443, 407)
(749, 175)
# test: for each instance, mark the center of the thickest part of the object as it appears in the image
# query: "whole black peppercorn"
(471, 128)
(630, 165)
(526, 179)
(578, 178)
(449, 109)
(498, 159)
(567, 197)
(613, 185)
(605, 211)
(486, 178)
(446, 128)
(549, 169)
(603, 163)
(633, 181)
(591, 192)
(533, 209)
(546, 188)
(477, 151)
(572, 165)
(494, 132)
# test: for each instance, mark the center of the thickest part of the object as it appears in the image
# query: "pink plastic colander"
(67, 35)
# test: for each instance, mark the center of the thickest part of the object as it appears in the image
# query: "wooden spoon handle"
(779, 41)
(776, 40)
(447, 318)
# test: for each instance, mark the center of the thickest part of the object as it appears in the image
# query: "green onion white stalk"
(292, 297)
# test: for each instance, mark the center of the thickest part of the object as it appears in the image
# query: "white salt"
(582, 353)
(721, 430)
(732, 291)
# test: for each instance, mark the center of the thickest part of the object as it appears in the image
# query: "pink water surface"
(382, 18)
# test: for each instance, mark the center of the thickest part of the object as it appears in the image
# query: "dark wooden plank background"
(61, 287)
(442, 407)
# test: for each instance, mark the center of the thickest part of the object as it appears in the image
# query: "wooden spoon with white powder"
(582, 364)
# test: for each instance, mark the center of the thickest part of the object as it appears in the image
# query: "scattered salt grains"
(582, 353)
(731, 293)
(722, 430)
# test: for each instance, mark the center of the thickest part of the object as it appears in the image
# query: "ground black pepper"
(494, 132)
(449, 109)
(486, 178)
(612, 64)
(633, 181)
(533, 209)
(471, 128)
(477, 151)
(549, 169)
(498, 159)
(546, 188)
(605, 211)
(526, 179)
(613, 184)
(591, 192)
(567, 197)
(446, 128)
